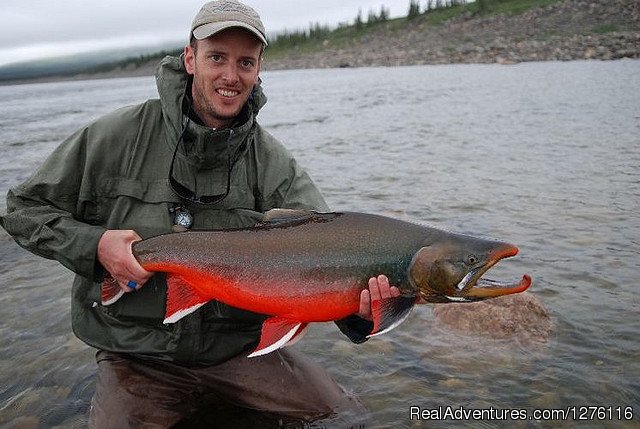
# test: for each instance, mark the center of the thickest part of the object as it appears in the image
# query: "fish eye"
(472, 259)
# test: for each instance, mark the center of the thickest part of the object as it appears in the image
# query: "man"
(195, 158)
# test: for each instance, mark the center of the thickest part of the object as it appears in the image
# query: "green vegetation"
(606, 28)
(509, 7)
(319, 36)
(432, 12)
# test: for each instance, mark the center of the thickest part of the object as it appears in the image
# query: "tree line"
(416, 8)
(318, 32)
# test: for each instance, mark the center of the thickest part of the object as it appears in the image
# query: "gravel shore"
(568, 30)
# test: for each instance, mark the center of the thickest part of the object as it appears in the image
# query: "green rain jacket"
(113, 174)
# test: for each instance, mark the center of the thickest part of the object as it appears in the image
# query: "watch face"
(183, 218)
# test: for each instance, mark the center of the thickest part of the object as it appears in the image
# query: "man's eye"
(247, 63)
(217, 58)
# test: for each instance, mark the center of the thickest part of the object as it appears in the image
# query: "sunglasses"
(186, 193)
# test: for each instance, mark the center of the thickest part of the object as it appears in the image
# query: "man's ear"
(189, 59)
(259, 68)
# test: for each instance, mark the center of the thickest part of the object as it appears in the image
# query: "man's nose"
(230, 73)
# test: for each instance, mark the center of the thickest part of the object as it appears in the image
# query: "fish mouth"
(474, 287)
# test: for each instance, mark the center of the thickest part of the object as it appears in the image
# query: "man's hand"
(114, 253)
(378, 289)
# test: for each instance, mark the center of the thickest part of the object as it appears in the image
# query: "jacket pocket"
(148, 302)
(142, 206)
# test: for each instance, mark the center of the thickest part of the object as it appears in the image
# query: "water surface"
(545, 155)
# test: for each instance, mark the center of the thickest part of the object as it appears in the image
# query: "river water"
(544, 155)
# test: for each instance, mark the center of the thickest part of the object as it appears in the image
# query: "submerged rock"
(520, 316)
(25, 422)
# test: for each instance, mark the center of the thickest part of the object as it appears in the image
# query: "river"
(544, 155)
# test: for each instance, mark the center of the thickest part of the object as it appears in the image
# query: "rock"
(520, 316)
(452, 383)
(590, 53)
(25, 422)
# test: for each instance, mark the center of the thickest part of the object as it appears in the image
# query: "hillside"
(564, 30)
(486, 31)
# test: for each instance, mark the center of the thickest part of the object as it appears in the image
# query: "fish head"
(451, 268)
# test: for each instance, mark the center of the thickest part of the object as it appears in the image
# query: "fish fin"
(289, 217)
(389, 313)
(298, 335)
(276, 332)
(182, 299)
(283, 215)
(111, 291)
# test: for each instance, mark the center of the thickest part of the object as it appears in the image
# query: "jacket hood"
(202, 148)
(172, 79)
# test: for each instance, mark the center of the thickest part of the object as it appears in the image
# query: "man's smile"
(227, 92)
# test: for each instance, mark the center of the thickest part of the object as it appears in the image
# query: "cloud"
(31, 29)
(27, 22)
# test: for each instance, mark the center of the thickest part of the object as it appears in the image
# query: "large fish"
(301, 266)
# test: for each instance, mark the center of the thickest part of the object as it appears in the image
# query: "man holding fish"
(193, 159)
(184, 319)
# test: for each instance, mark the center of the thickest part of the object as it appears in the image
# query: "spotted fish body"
(301, 267)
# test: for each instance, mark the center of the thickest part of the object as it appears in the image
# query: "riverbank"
(561, 31)
(567, 30)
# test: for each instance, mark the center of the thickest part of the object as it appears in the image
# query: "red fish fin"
(182, 299)
(276, 332)
(298, 335)
(111, 291)
(389, 313)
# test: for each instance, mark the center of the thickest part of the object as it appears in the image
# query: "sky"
(34, 29)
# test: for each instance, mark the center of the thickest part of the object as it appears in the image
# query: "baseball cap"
(219, 15)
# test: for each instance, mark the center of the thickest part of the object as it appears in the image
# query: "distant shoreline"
(562, 31)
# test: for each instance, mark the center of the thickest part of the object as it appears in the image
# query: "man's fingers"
(386, 290)
(379, 288)
(134, 276)
(135, 268)
(365, 305)
(130, 283)
(136, 273)
(116, 255)
(383, 286)
(374, 289)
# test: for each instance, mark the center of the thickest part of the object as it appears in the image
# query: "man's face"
(225, 68)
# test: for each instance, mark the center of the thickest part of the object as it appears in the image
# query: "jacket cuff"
(355, 328)
(88, 266)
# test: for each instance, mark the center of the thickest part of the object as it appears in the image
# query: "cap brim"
(208, 30)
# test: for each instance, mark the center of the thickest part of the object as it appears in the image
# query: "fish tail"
(390, 312)
(111, 291)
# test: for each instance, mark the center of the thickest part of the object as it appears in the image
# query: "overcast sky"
(32, 29)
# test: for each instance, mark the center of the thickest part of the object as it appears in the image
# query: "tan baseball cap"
(219, 15)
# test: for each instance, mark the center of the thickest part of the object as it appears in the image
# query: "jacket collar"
(203, 146)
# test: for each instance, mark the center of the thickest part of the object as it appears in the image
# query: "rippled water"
(545, 155)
